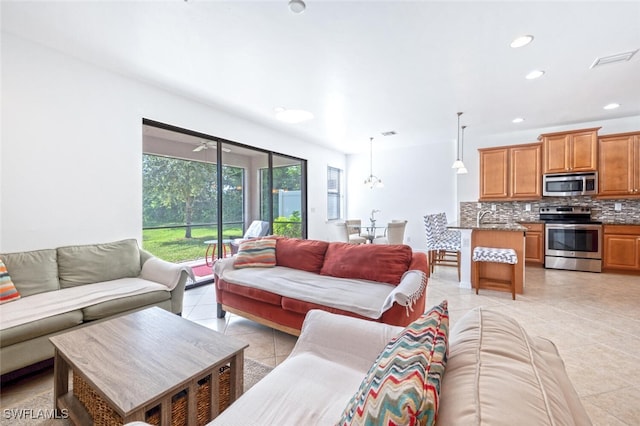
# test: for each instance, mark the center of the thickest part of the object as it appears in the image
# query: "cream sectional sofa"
(496, 374)
(68, 287)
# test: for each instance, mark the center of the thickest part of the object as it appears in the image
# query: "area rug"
(36, 410)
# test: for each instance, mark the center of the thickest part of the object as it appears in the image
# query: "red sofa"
(334, 277)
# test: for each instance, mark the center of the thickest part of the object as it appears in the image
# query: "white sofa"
(495, 375)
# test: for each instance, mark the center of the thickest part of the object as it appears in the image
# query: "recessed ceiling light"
(534, 74)
(297, 6)
(292, 116)
(612, 106)
(521, 41)
(517, 120)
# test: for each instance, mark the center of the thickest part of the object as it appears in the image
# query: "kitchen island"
(490, 234)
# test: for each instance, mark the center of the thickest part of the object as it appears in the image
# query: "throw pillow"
(258, 253)
(8, 291)
(305, 255)
(373, 262)
(403, 385)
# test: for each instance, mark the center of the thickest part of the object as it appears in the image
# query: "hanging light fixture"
(462, 170)
(372, 181)
(458, 163)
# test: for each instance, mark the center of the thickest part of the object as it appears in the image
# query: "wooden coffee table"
(141, 360)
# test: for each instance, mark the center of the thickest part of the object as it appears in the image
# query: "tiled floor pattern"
(594, 319)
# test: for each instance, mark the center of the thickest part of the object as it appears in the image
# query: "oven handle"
(585, 226)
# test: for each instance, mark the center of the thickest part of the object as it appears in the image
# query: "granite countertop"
(488, 225)
(621, 221)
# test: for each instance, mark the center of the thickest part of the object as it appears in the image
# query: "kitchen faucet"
(480, 215)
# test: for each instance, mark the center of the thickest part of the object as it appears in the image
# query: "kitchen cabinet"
(534, 243)
(621, 251)
(619, 165)
(574, 151)
(511, 172)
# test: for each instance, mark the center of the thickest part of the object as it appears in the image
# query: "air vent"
(618, 57)
(389, 133)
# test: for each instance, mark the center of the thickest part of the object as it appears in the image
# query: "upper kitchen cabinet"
(619, 165)
(573, 151)
(511, 172)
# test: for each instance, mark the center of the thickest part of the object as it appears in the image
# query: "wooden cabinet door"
(556, 154)
(621, 249)
(583, 151)
(622, 252)
(534, 243)
(573, 151)
(616, 163)
(494, 169)
(525, 172)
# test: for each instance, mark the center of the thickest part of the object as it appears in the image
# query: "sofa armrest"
(411, 288)
(345, 340)
(172, 275)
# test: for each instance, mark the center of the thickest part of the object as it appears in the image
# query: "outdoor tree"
(173, 185)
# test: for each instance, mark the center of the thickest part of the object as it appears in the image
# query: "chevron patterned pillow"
(403, 385)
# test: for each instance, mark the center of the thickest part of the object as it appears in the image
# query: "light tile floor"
(594, 319)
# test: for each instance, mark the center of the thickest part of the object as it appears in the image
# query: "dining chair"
(343, 234)
(354, 230)
(393, 234)
(443, 245)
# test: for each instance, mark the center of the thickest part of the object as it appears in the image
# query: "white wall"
(72, 149)
(417, 181)
(469, 186)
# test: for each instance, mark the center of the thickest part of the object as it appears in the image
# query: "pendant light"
(462, 170)
(372, 181)
(458, 163)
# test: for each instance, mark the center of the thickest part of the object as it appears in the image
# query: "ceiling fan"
(205, 144)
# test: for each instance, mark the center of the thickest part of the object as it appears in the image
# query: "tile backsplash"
(516, 211)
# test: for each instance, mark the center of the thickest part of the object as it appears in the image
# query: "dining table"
(370, 232)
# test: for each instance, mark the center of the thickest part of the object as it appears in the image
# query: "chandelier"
(372, 181)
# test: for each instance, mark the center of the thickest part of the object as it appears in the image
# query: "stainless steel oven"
(572, 240)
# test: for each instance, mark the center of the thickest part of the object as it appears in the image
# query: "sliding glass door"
(201, 192)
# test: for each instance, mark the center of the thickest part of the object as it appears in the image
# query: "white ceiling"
(361, 67)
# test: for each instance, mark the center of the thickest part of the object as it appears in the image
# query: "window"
(334, 193)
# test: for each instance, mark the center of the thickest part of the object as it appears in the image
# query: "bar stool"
(496, 255)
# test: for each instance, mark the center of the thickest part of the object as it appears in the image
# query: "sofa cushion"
(494, 366)
(93, 263)
(403, 385)
(8, 291)
(382, 263)
(306, 255)
(124, 304)
(257, 253)
(33, 272)
(41, 327)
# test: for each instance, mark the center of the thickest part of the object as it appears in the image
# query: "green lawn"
(171, 245)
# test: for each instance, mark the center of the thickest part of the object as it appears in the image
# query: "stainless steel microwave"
(570, 184)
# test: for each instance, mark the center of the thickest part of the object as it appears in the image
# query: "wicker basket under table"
(104, 415)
